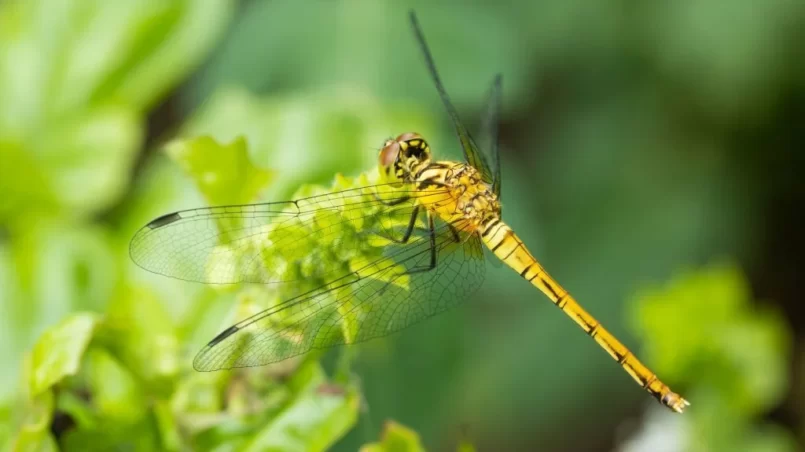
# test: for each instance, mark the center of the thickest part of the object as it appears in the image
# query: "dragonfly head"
(403, 156)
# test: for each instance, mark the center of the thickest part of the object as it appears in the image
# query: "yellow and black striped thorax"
(471, 204)
(453, 191)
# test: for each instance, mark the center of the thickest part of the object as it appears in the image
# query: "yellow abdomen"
(455, 193)
(505, 244)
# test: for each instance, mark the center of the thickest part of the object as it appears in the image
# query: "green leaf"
(223, 173)
(345, 247)
(758, 346)
(116, 394)
(396, 438)
(716, 426)
(142, 335)
(75, 80)
(199, 393)
(313, 258)
(58, 57)
(307, 138)
(704, 330)
(50, 272)
(73, 166)
(6, 429)
(165, 42)
(19, 169)
(87, 157)
(660, 314)
(769, 438)
(142, 436)
(317, 416)
(34, 435)
(167, 425)
(13, 331)
(75, 404)
(62, 269)
(59, 351)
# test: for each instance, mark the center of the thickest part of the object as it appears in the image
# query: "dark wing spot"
(164, 220)
(224, 334)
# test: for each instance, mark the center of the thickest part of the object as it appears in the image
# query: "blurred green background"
(649, 158)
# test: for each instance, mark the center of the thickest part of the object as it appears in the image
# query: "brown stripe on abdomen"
(502, 241)
(553, 291)
(490, 227)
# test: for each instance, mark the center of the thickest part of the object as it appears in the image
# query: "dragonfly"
(419, 234)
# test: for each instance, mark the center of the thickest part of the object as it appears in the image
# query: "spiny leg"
(408, 230)
(419, 269)
(411, 224)
(432, 265)
(394, 202)
(456, 236)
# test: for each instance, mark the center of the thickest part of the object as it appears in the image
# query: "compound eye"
(389, 153)
(408, 136)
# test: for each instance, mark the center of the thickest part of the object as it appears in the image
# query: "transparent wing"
(471, 152)
(489, 129)
(274, 242)
(377, 298)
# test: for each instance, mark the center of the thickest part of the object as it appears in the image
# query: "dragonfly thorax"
(471, 203)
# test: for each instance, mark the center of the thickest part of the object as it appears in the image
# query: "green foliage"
(59, 351)
(208, 163)
(704, 333)
(142, 335)
(76, 79)
(396, 438)
(306, 138)
(34, 434)
(628, 126)
(123, 379)
(332, 238)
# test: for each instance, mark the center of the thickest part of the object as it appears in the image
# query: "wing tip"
(201, 363)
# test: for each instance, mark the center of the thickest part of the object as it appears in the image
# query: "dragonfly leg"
(432, 265)
(408, 230)
(394, 202)
(419, 269)
(456, 236)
